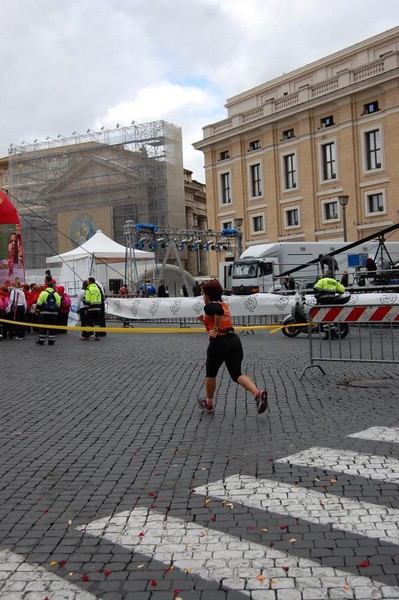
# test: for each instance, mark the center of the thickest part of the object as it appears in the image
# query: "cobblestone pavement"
(115, 486)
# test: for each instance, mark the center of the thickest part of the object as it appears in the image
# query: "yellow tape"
(139, 329)
(277, 328)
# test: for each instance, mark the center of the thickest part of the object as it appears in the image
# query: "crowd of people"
(148, 290)
(23, 307)
(24, 303)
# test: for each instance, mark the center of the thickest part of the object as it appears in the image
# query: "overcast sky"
(70, 65)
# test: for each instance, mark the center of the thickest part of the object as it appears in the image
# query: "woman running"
(224, 347)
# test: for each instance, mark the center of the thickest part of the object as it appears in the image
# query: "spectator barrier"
(373, 335)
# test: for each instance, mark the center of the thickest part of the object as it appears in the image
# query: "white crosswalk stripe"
(255, 570)
(19, 579)
(347, 461)
(217, 556)
(343, 514)
(378, 434)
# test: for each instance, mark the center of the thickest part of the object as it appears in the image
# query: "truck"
(288, 265)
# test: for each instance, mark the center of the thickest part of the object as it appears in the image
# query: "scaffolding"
(66, 188)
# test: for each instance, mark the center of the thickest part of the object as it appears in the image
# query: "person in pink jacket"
(4, 301)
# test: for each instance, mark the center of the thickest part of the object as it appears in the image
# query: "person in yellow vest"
(47, 306)
(327, 289)
(92, 300)
(224, 347)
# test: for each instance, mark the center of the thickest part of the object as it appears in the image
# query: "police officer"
(92, 300)
(47, 306)
(326, 288)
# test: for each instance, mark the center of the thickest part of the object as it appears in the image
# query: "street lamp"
(238, 221)
(343, 200)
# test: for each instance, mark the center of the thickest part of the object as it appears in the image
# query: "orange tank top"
(225, 323)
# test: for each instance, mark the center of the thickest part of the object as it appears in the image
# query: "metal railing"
(372, 336)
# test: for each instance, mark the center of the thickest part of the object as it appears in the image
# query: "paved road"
(114, 485)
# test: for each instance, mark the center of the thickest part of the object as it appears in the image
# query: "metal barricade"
(372, 336)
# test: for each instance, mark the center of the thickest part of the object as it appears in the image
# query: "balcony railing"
(343, 79)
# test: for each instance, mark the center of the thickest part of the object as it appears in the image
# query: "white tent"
(92, 258)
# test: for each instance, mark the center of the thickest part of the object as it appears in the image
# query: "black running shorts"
(224, 349)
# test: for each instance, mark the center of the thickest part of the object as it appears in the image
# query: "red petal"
(285, 568)
(107, 572)
(61, 563)
(141, 534)
(154, 582)
(213, 518)
(364, 563)
(283, 526)
(151, 494)
(177, 591)
(85, 578)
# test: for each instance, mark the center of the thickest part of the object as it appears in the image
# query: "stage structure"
(170, 243)
(67, 188)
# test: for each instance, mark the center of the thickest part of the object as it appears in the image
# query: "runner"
(224, 347)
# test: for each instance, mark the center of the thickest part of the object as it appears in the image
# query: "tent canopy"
(100, 246)
(93, 259)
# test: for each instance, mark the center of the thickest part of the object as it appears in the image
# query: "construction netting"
(67, 188)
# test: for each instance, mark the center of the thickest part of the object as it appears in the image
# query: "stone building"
(293, 150)
(65, 190)
(197, 263)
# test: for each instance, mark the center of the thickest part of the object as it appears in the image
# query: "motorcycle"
(300, 315)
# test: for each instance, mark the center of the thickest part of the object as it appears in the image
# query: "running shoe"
(204, 405)
(261, 401)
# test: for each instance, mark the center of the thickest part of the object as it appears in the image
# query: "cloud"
(71, 65)
(184, 106)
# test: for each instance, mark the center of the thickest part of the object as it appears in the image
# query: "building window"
(227, 225)
(330, 211)
(224, 155)
(255, 178)
(370, 108)
(326, 122)
(258, 224)
(291, 217)
(289, 171)
(225, 188)
(288, 134)
(375, 203)
(255, 145)
(328, 161)
(373, 149)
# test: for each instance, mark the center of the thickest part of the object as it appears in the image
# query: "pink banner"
(11, 251)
